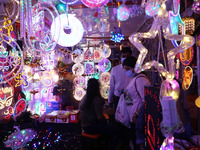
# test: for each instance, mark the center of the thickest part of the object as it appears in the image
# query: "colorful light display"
(196, 6)
(94, 3)
(187, 77)
(104, 65)
(187, 56)
(104, 90)
(79, 81)
(160, 20)
(79, 93)
(117, 37)
(71, 30)
(123, 13)
(104, 78)
(97, 55)
(151, 9)
(77, 55)
(78, 69)
(105, 51)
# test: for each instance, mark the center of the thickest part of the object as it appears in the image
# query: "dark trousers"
(115, 101)
(107, 130)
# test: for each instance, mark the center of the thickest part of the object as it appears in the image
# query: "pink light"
(94, 3)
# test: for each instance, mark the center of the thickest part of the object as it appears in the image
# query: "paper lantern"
(152, 9)
(123, 13)
(104, 91)
(79, 81)
(79, 93)
(170, 88)
(187, 56)
(197, 102)
(78, 69)
(95, 3)
(71, 30)
(187, 77)
(77, 55)
(104, 65)
(104, 78)
(105, 51)
(97, 55)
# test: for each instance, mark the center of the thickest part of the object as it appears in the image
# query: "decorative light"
(189, 25)
(78, 69)
(104, 78)
(117, 37)
(103, 25)
(196, 6)
(105, 51)
(136, 10)
(88, 54)
(160, 20)
(97, 55)
(79, 81)
(71, 30)
(170, 88)
(79, 93)
(95, 3)
(186, 56)
(20, 106)
(61, 7)
(89, 68)
(104, 65)
(104, 91)
(187, 77)
(77, 55)
(152, 9)
(123, 12)
(197, 102)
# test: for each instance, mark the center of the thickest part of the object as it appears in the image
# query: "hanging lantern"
(189, 25)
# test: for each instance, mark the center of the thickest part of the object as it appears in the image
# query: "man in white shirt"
(119, 80)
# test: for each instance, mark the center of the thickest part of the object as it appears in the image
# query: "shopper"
(134, 93)
(118, 80)
(91, 114)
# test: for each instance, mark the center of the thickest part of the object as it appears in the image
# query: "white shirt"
(118, 82)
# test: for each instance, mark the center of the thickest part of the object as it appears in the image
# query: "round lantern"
(104, 91)
(94, 3)
(105, 51)
(97, 55)
(197, 102)
(152, 9)
(79, 93)
(187, 56)
(104, 78)
(79, 81)
(104, 65)
(71, 30)
(187, 77)
(78, 69)
(123, 13)
(77, 55)
(170, 88)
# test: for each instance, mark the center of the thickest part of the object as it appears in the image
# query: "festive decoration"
(94, 3)
(136, 10)
(195, 6)
(88, 54)
(104, 90)
(105, 51)
(197, 102)
(160, 20)
(189, 25)
(123, 12)
(79, 81)
(117, 36)
(103, 25)
(97, 55)
(187, 56)
(104, 78)
(79, 93)
(89, 68)
(170, 88)
(104, 65)
(77, 55)
(78, 69)
(20, 106)
(72, 30)
(187, 77)
(20, 138)
(151, 9)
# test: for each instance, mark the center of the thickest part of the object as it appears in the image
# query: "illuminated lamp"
(151, 9)
(97, 55)
(123, 13)
(104, 65)
(79, 93)
(77, 55)
(61, 7)
(196, 6)
(186, 56)
(71, 30)
(197, 102)
(170, 88)
(187, 77)
(189, 25)
(79, 82)
(105, 51)
(104, 91)
(78, 69)
(94, 3)
(104, 78)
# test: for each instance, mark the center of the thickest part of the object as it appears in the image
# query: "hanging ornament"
(104, 65)
(186, 56)
(103, 25)
(105, 51)
(77, 55)
(104, 91)
(123, 13)
(79, 82)
(187, 77)
(88, 54)
(151, 9)
(79, 93)
(78, 69)
(97, 55)
(104, 78)
(94, 3)
(196, 6)
(117, 35)
(71, 30)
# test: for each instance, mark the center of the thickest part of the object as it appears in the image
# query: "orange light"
(187, 77)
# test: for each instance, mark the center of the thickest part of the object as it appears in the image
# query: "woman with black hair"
(91, 114)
